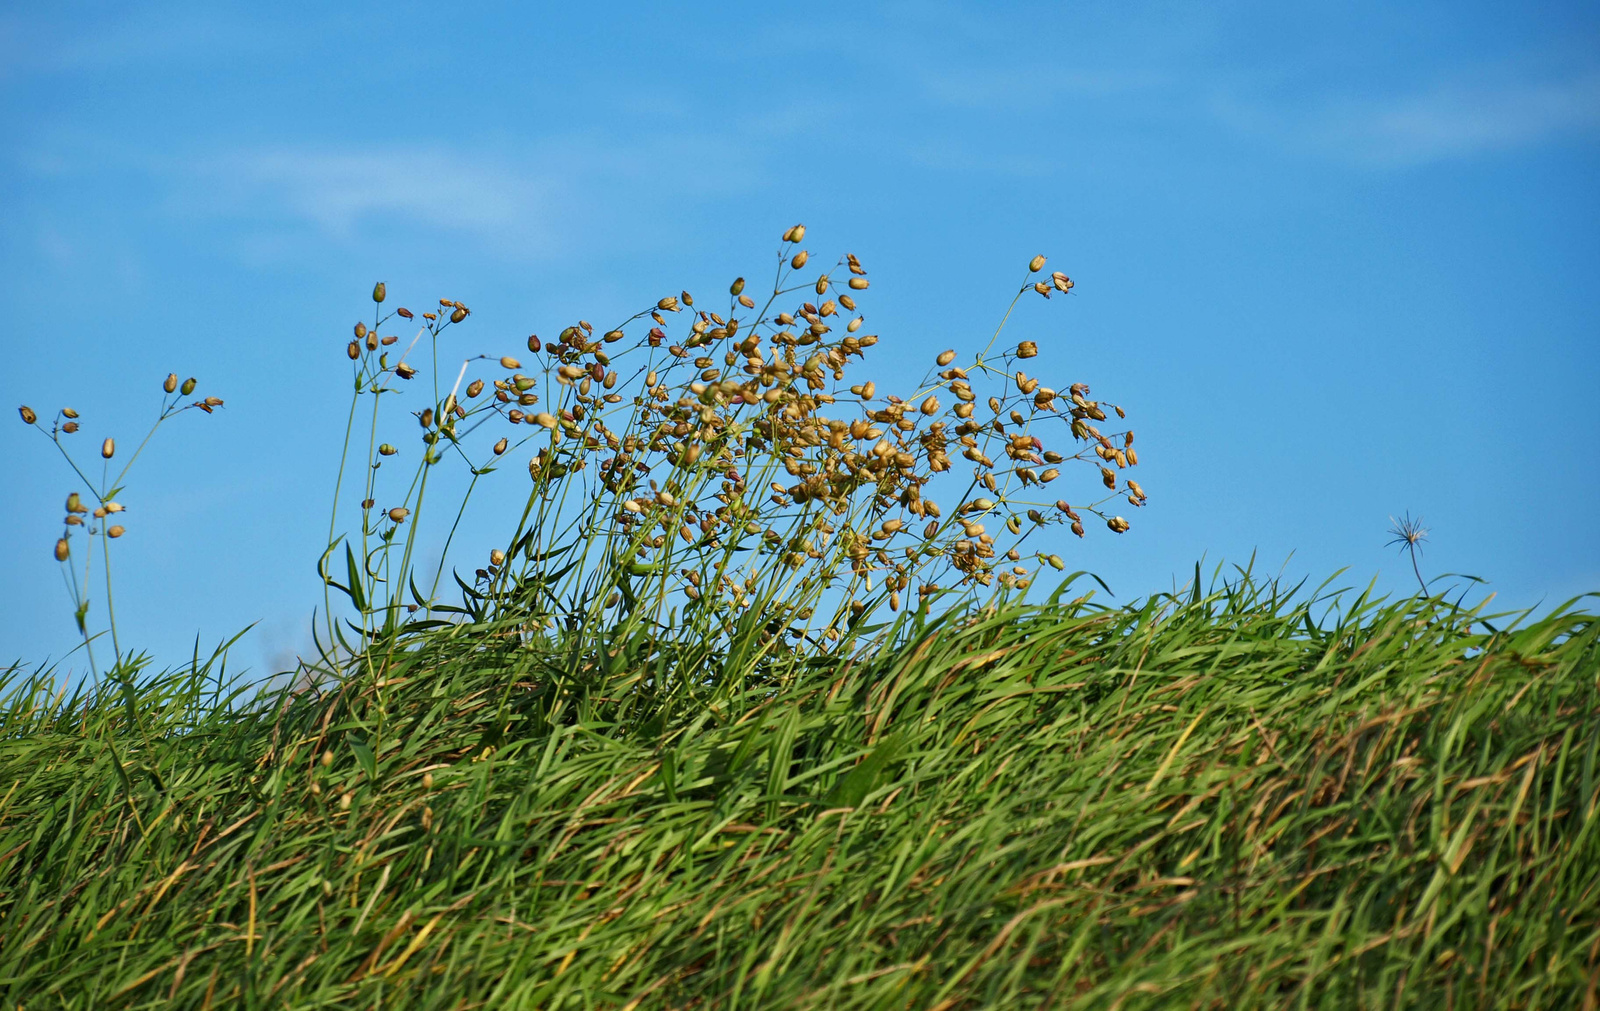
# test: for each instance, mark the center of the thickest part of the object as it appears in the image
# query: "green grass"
(1210, 801)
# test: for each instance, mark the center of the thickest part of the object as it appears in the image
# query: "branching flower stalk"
(101, 520)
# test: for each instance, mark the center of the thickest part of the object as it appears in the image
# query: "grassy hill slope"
(1207, 801)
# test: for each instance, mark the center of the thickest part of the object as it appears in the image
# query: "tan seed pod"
(500, 447)
(387, 450)
(668, 304)
(404, 371)
(170, 383)
(930, 406)
(946, 357)
(1049, 475)
(1133, 457)
(799, 259)
(1036, 264)
(1077, 528)
(1118, 524)
(509, 362)
(114, 507)
(361, 330)
(69, 427)
(459, 315)
(859, 283)
(108, 448)
(544, 419)
(1062, 282)
(797, 233)
(822, 284)
(1027, 349)
(62, 549)
(115, 532)
(496, 557)
(100, 512)
(28, 417)
(354, 350)
(474, 388)
(75, 504)
(187, 387)
(399, 513)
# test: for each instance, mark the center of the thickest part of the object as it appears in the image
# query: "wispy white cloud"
(138, 37)
(1453, 119)
(340, 191)
(1459, 120)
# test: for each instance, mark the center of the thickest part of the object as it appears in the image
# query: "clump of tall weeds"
(716, 476)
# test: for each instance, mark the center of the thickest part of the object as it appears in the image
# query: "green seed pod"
(187, 387)
(737, 288)
(379, 292)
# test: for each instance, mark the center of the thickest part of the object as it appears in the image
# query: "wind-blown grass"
(1219, 800)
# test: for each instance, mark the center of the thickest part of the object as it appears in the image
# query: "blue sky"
(1338, 261)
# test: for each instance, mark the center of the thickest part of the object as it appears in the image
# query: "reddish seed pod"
(404, 312)
(379, 292)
